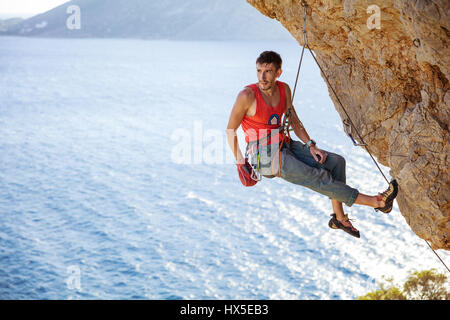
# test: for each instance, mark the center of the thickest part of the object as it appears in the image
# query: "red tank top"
(266, 117)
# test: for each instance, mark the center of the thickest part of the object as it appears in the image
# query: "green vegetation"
(420, 285)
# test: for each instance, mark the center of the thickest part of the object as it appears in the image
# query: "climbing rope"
(438, 256)
(348, 117)
(348, 122)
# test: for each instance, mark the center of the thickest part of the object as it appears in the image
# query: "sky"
(27, 8)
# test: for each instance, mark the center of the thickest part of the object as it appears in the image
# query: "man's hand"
(317, 152)
(245, 172)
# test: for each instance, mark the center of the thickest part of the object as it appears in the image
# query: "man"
(259, 108)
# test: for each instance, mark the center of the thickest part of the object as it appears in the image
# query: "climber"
(259, 109)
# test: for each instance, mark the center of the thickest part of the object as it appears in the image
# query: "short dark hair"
(270, 57)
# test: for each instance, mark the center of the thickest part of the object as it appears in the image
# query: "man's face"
(267, 75)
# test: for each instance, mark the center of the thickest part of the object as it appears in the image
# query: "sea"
(117, 182)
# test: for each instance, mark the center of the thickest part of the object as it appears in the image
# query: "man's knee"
(341, 160)
(337, 160)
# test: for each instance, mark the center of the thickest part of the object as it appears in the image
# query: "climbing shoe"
(336, 224)
(388, 197)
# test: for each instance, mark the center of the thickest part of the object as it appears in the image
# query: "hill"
(165, 19)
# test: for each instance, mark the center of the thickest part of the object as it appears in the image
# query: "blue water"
(96, 201)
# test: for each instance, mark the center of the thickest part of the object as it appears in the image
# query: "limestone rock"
(393, 79)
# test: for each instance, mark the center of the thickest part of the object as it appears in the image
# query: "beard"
(265, 86)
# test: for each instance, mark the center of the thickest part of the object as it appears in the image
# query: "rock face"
(393, 79)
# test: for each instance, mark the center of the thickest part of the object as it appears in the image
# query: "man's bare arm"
(243, 102)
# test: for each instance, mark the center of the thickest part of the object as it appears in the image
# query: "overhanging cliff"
(389, 62)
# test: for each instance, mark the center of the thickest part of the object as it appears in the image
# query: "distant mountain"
(154, 19)
(6, 24)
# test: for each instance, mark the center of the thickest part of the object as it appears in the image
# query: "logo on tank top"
(274, 119)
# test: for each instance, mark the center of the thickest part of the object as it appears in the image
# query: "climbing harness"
(253, 150)
(349, 126)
